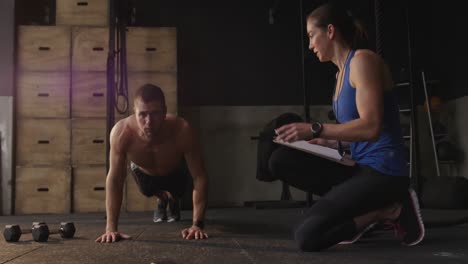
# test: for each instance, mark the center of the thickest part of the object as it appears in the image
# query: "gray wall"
(453, 117)
(6, 101)
(230, 154)
(6, 47)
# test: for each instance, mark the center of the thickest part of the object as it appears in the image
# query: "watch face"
(316, 127)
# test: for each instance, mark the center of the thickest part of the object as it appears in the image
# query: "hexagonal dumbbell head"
(12, 233)
(40, 233)
(38, 223)
(67, 229)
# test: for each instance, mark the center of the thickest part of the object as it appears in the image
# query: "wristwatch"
(316, 129)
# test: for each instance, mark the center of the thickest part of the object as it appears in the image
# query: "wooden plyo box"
(42, 190)
(44, 48)
(152, 49)
(89, 193)
(43, 142)
(43, 94)
(90, 48)
(82, 12)
(89, 141)
(89, 94)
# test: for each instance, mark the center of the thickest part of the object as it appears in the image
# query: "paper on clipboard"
(321, 151)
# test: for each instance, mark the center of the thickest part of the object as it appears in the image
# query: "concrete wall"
(453, 117)
(456, 119)
(6, 47)
(6, 131)
(230, 154)
(6, 101)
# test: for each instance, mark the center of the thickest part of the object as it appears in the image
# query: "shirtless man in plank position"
(159, 147)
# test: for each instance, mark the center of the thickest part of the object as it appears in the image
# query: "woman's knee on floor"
(307, 235)
(311, 234)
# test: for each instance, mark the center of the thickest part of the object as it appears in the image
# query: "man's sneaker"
(160, 211)
(173, 213)
(358, 236)
(409, 226)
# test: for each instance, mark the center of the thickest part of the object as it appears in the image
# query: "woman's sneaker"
(173, 213)
(159, 214)
(411, 220)
(409, 226)
(358, 236)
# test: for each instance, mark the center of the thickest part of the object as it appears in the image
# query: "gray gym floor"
(237, 235)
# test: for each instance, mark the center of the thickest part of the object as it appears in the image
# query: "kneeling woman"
(375, 189)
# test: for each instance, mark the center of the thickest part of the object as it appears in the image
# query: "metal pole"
(110, 79)
(304, 88)
(429, 117)
(414, 122)
(378, 14)
(309, 195)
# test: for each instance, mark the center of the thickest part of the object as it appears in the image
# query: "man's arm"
(194, 159)
(114, 185)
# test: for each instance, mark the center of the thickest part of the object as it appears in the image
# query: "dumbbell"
(41, 231)
(12, 233)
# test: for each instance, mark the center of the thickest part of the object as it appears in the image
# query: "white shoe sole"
(358, 236)
(415, 203)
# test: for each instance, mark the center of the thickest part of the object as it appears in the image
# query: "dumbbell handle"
(57, 231)
(54, 230)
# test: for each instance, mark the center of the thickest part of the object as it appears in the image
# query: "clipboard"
(317, 150)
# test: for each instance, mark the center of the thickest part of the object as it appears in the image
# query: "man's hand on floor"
(193, 232)
(111, 237)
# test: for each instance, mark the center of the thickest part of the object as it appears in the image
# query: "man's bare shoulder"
(122, 126)
(177, 122)
(122, 130)
(180, 127)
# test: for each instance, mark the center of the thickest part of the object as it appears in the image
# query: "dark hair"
(149, 93)
(351, 28)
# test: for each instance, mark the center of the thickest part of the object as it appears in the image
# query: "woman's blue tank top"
(387, 153)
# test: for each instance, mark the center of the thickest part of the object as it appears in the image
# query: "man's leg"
(176, 186)
(160, 212)
(149, 186)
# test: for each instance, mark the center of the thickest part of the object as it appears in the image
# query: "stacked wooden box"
(43, 173)
(61, 106)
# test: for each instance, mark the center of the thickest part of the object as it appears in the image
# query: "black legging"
(346, 192)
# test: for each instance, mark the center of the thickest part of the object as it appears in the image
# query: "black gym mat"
(237, 235)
